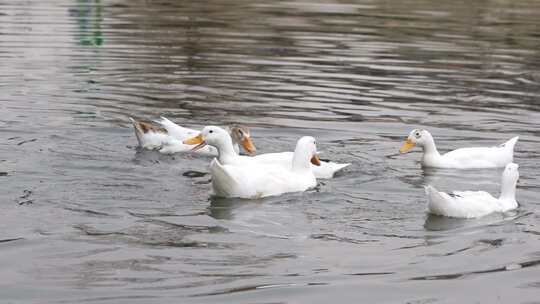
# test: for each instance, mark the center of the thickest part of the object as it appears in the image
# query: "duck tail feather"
(511, 143)
(138, 131)
(436, 201)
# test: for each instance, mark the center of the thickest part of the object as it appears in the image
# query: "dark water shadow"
(222, 208)
(442, 223)
(451, 276)
(144, 156)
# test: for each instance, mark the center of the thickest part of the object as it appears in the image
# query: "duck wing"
(327, 169)
(483, 157)
(461, 204)
(148, 135)
(175, 130)
(480, 157)
(256, 180)
(224, 181)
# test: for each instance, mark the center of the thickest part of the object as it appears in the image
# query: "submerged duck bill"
(407, 145)
(248, 145)
(316, 160)
(198, 147)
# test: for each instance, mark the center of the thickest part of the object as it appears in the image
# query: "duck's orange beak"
(407, 145)
(197, 140)
(194, 140)
(316, 160)
(248, 145)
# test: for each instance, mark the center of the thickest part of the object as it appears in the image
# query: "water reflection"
(442, 223)
(357, 75)
(89, 16)
(223, 208)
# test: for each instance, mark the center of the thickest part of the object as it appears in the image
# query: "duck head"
(210, 135)
(511, 174)
(306, 152)
(240, 135)
(221, 139)
(417, 137)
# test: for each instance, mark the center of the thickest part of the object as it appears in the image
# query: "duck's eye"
(417, 134)
(240, 132)
(211, 131)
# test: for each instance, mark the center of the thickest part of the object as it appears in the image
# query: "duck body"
(283, 159)
(257, 181)
(472, 204)
(473, 158)
(326, 169)
(167, 137)
(241, 176)
(462, 204)
(463, 158)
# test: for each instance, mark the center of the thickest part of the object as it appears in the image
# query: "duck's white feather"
(240, 176)
(325, 170)
(148, 140)
(175, 130)
(467, 204)
(257, 181)
(470, 204)
(168, 139)
(463, 158)
(223, 182)
(478, 157)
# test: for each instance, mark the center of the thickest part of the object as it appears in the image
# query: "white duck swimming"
(464, 158)
(470, 204)
(236, 176)
(324, 169)
(168, 137)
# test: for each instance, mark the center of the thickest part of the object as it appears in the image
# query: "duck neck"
(430, 149)
(226, 152)
(301, 161)
(508, 190)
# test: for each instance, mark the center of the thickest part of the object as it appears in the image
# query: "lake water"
(86, 218)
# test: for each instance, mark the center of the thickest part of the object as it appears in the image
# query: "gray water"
(86, 218)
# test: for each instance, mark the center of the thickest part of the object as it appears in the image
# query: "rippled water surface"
(85, 217)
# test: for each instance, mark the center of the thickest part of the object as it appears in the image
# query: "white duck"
(326, 169)
(470, 204)
(227, 157)
(168, 137)
(464, 158)
(237, 176)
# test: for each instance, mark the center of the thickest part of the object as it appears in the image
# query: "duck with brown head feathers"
(325, 169)
(167, 137)
(234, 175)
